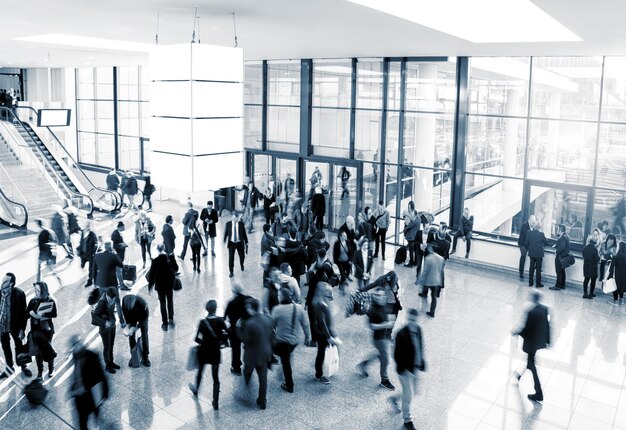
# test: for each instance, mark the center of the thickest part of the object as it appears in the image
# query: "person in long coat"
(618, 271)
(591, 258)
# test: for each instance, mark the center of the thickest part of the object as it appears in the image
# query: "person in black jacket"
(103, 316)
(161, 276)
(209, 220)
(210, 336)
(13, 318)
(236, 238)
(409, 357)
(113, 181)
(189, 220)
(87, 249)
(535, 241)
(536, 335)
(42, 309)
(89, 386)
(521, 243)
(105, 266)
(591, 259)
(562, 251)
(236, 310)
(47, 256)
(618, 271)
(464, 231)
(169, 237)
(318, 207)
(148, 190)
(136, 313)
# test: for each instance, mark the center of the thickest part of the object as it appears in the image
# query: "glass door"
(344, 195)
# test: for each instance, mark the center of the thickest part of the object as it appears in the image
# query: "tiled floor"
(469, 350)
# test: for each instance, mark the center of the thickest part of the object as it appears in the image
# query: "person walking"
(562, 251)
(209, 219)
(130, 188)
(318, 207)
(362, 263)
(211, 335)
(381, 322)
(105, 267)
(42, 309)
(89, 386)
(148, 190)
(431, 277)
(287, 316)
(256, 334)
(521, 243)
(145, 231)
(382, 224)
(237, 239)
(59, 226)
(189, 220)
(86, 250)
(618, 271)
(196, 246)
(161, 277)
(409, 357)
(235, 311)
(13, 319)
(103, 316)
(136, 314)
(536, 334)
(322, 331)
(465, 230)
(112, 181)
(47, 252)
(169, 237)
(591, 258)
(342, 257)
(535, 241)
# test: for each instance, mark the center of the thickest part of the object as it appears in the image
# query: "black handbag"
(567, 261)
(178, 284)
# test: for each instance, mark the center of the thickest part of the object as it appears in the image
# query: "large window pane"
(104, 117)
(566, 87)
(562, 151)
(371, 191)
(430, 86)
(614, 89)
(85, 84)
(263, 175)
(104, 83)
(429, 189)
(128, 118)
(612, 156)
(367, 134)
(128, 83)
(252, 126)
(86, 115)
(369, 84)
(554, 206)
(284, 83)
(609, 212)
(253, 83)
(428, 139)
(130, 153)
(105, 155)
(391, 141)
(332, 83)
(499, 85)
(496, 146)
(395, 86)
(87, 148)
(283, 128)
(330, 132)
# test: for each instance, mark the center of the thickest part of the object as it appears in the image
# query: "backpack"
(195, 238)
(333, 279)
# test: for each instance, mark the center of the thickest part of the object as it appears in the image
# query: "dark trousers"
(284, 350)
(434, 293)
(261, 372)
(345, 267)
(148, 200)
(132, 340)
(232, 247)
(215, 374)
(586, 283)
(603, 265)
(535, 266)
(166, 300)
(530, 365)
(108, 340)
(617, 295)
(522, 260)
(89, 261)
(185, 243)
(84, 407)
(468, 240)
(318, 220)
(48, 350)
(322, 343)
(411, 247)
(560, 272)
(235, 345)
(195, 255)
(5, 340)
(380, 237)
(419, 258)
(145, 247)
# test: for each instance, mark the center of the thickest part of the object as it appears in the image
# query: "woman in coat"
(42, 309)
(607, 250)
(618, 271)
(412, 224)
(591, 258)
(162, 276)
(145, 232)
(210, 336)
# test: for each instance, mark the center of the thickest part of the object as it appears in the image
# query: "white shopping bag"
(331, 361)
(609, 286)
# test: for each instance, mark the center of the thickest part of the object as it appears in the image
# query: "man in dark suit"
(237, 239)
(103, 316)
(191, 216)
(209, 219)
(136, 313)
(13, 318)
(235, 311)
(409, 358)
(562, 251)
(105, 266)
(169, 237)
(256, 333)
(521, 243)
(362, 263)
(535, 241)
(318, 207)
(536, 335)
(87, 249)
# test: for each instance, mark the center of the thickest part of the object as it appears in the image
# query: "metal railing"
(12, 213)
(82, 202)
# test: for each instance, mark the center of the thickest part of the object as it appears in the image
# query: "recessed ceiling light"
(86, 42)
(479, 21)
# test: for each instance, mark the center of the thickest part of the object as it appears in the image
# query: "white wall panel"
(170, 99)
(170, 62)
(211, 136)
(217, 99)
(171, 135)
(173, 171)
(217, 63)
(218, 171)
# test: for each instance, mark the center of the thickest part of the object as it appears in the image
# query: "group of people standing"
(126, 184)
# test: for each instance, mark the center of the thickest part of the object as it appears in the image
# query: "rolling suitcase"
(129, 273)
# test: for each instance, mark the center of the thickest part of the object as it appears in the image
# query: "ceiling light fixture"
(479, 21)
(86, 42)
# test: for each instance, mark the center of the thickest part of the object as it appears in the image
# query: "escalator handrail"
(117, 198)
(3, 221)
(49, 164)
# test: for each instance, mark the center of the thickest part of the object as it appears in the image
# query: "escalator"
(13, 217)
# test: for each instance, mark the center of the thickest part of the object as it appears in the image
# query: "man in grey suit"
(256, 333)
(536, 335)
(191, 216)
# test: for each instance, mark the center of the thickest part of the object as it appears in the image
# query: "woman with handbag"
(211, 336)
(42, 309)
(145, 232)
(607, 250)
(591, 258)
(618, 272)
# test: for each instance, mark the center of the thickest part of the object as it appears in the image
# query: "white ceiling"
(279, 29)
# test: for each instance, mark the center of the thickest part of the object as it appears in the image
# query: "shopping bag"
(609, 286)
(136, 354)
(192, 360)
(331, 361)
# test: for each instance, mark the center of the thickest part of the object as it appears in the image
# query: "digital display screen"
(53, 118)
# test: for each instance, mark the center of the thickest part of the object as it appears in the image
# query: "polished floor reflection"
(468, 347)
